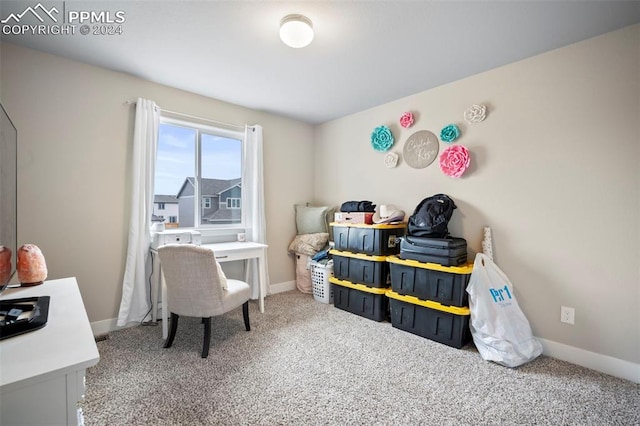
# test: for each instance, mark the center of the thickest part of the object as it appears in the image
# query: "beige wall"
(555, 173)
(75, 138)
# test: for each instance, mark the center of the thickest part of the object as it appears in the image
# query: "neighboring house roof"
(238, 184)
(156, 218)
(167, 199)
(211, 187)
(224, 215)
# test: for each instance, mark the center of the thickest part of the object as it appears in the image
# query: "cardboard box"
(353, 217)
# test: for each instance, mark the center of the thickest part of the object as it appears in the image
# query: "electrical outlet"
(567, 315)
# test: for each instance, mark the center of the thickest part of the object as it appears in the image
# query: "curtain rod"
(195, 117)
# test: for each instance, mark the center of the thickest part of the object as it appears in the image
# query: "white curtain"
(253, 200)
(135, 301)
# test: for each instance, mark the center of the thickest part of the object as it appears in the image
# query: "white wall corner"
(595, 361)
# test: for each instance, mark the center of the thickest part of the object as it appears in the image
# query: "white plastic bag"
(500, 330)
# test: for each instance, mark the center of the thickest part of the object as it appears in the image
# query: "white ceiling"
(365, 53)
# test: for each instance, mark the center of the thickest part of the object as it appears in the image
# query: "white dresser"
(42, 372)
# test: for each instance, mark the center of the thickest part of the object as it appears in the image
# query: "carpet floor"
(308, 363)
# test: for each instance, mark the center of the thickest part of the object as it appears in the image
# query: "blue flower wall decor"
(381, 138)
(449, 133)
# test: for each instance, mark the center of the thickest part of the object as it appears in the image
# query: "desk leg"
(261, 276)
(262, 280)
(154, 292)
(165, 304)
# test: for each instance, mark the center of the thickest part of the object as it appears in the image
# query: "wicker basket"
(320, 274)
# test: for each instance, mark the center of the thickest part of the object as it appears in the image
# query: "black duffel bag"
(431, 217)
(357, 206)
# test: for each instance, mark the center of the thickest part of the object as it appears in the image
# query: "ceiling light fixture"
(296, 31)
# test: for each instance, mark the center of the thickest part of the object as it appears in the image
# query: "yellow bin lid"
(401, 225)
(361, 287)
(360, 256)
(467, 268)
(457, 310)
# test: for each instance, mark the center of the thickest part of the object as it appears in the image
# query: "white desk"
(224, 252)
(42, 372)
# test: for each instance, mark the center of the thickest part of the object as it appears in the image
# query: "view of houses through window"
(198, 176)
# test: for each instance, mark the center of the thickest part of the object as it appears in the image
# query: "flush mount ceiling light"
(296, 31)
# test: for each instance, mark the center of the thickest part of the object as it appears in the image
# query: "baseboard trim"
(282, 287)
(105, 326)
(603, 363)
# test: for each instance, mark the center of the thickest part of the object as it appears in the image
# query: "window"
(160, 206)
(173, 219)
(233, 203)
(202, 167)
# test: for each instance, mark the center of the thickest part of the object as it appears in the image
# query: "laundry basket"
(320, 274)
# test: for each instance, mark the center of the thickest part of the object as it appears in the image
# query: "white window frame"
(206, 202)
(232, 201)
(214, 230)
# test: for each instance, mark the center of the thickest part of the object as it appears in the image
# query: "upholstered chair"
(197, 287)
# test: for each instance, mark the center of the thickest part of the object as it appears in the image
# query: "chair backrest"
(192, 280)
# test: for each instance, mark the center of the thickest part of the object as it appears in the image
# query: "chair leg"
(245, 314)
(172, 332)
(207, 337)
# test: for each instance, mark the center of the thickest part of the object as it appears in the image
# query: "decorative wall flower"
(475, 114)
(454, 160)
(449, 133)
(381, 138)
(391, 160)
(406, 120)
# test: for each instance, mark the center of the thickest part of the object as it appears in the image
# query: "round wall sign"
(420, 149)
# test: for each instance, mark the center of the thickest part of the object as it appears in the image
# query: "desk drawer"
(231, 255)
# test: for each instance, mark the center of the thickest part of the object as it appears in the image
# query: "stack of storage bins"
(360, 269)
(430, 300)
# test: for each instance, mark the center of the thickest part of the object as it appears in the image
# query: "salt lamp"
(31, 267)
(5, 264)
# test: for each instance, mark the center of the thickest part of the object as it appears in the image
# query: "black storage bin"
(444, 324)
(430, 281)
(358, 268)
(378, 239)
(448, 251)
(359, 299)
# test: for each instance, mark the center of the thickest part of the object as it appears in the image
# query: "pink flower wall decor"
(454, 161)
(406, 120)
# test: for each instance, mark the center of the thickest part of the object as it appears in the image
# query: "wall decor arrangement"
(449, 133)
(382, 138)
(420, 149)
(406, 120)
(476, 113)
(455, 160)
(391, 160)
